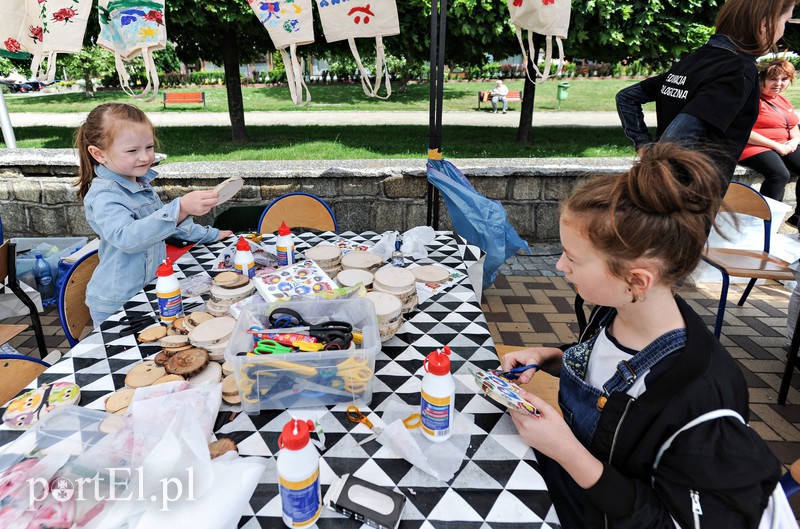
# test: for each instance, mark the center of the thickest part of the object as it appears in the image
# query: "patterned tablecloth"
(498, 483)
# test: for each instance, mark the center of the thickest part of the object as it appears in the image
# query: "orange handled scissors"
(354, 415)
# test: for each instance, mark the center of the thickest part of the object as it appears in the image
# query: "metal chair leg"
(750, 285)
(791, 361)
(723, 299)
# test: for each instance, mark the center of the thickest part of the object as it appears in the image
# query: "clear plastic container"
(52, 249)
(305, 379)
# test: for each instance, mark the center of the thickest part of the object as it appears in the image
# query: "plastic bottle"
(168, 290)
(438, 396)
(44, 281)
(243, 261)
(298, 475)
(284, 246)
(397, 255)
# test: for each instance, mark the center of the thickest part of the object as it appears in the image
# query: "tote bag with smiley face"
(351, 19)
(290, 23)
(129, 28)
(545, 17)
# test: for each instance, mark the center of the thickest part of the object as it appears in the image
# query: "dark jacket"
(722, 462)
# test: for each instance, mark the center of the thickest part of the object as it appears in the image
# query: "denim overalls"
(580, 402)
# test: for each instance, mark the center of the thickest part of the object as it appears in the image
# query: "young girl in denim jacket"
(646, 366)
(116, 145)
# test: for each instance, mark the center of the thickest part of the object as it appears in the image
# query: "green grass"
(583, 95)
(357, 142)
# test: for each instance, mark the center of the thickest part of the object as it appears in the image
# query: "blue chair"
(298, 210)
(744, 262)
(72, 309)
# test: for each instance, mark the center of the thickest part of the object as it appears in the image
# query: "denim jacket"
(132, 223)
(683, 127)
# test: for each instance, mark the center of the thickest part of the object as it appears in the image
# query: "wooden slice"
(119, 400)
(178, 325)
(361, 260)
(228, 189)
(352, 277)
(174, 341)
(168, 378)
(212, 331)
(430, 274)
(188, 362)
(387, 306)
(222, 294)
(211, 372)
(221, 446)
(229, 386)
(144, 374)
(394, 280)
(198, 317)
(325, 255)
(162, 358)
(232, 399)
(151, 334)
(216, 309)
(227, 368)
(226, 277)
(172, 350)
(241, 280)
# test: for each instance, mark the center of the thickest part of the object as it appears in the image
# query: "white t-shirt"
(501, 90)
(606, 354)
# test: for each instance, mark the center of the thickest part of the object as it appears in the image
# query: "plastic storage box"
(51, 248)
(304, 379)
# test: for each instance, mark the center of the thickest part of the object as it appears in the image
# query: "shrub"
(174, 79)
(207, 78)
(491, 70)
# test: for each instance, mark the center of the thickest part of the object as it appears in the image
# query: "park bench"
(184, 98)
(485, 96)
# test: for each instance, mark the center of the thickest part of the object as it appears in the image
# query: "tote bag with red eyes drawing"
(545, 17)
(290, 23)
(52, 27)
(351, 19)
(129, 28)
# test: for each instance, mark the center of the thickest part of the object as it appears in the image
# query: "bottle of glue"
(243, 261)
(284, 246)
(438, 396)
(168, 290)
(298, 475)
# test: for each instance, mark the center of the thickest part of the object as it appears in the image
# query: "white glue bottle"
(438, 396)
(243, 261)
(284, 246)
(298, 475)
(168, 290)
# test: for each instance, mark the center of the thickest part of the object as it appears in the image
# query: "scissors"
(133, 324)
(312, 390)
(513, 374)
(267, 346)
(353, 375)
(335, 334)
(354, 415)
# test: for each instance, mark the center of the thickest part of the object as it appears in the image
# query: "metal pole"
(5, 125)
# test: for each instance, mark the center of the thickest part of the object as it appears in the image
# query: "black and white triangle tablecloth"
(498, 484)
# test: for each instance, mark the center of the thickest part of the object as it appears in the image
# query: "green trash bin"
(561, 94)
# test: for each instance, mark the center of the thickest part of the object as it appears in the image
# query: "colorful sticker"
(502, 390)
(32, 405)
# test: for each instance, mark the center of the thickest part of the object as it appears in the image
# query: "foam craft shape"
(228, 189)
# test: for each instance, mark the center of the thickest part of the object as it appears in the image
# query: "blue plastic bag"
(481, 221)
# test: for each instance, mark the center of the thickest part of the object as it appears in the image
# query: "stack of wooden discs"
(350, 278)
(230, 390)
(399, 282)
(327, 257)
(228, 288)
(212, 335)
(431, 274)
(361, 261)
(389, 310)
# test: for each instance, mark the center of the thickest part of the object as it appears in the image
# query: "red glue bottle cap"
(438, 362)
(284, 229)
(242, 245)
(164, 269)
(295, 434)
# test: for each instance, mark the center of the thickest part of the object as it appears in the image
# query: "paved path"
(322, 117)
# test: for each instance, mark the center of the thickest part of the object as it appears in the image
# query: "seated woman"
(772, 147)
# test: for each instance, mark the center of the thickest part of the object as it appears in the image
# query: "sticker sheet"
(346, 245)
(299, 279)
(503, 391)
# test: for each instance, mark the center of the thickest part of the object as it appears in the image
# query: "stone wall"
(37, 198)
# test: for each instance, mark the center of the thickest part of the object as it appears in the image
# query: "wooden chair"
(8, 275)
(742, 262)
(72, 309)
(16, 372)
(298, 210)
(543, 385)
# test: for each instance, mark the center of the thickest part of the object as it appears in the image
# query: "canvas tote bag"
(15, 40)
(129, 28)
(545, 17)
(290, 23)
(373, 18)
(52, 27)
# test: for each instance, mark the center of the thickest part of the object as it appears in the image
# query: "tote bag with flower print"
(15, 42)
(545, 17)
(351, 19)
(290, 23)
(129, 28)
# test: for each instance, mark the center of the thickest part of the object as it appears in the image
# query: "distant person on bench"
(499, 93)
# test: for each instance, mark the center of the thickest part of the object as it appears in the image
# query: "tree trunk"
(88, 88)
(233, 84)
(525, 129)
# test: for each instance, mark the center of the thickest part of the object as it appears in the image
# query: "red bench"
(184, 98)
(485, 96)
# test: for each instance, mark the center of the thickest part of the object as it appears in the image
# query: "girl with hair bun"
(645, 366)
